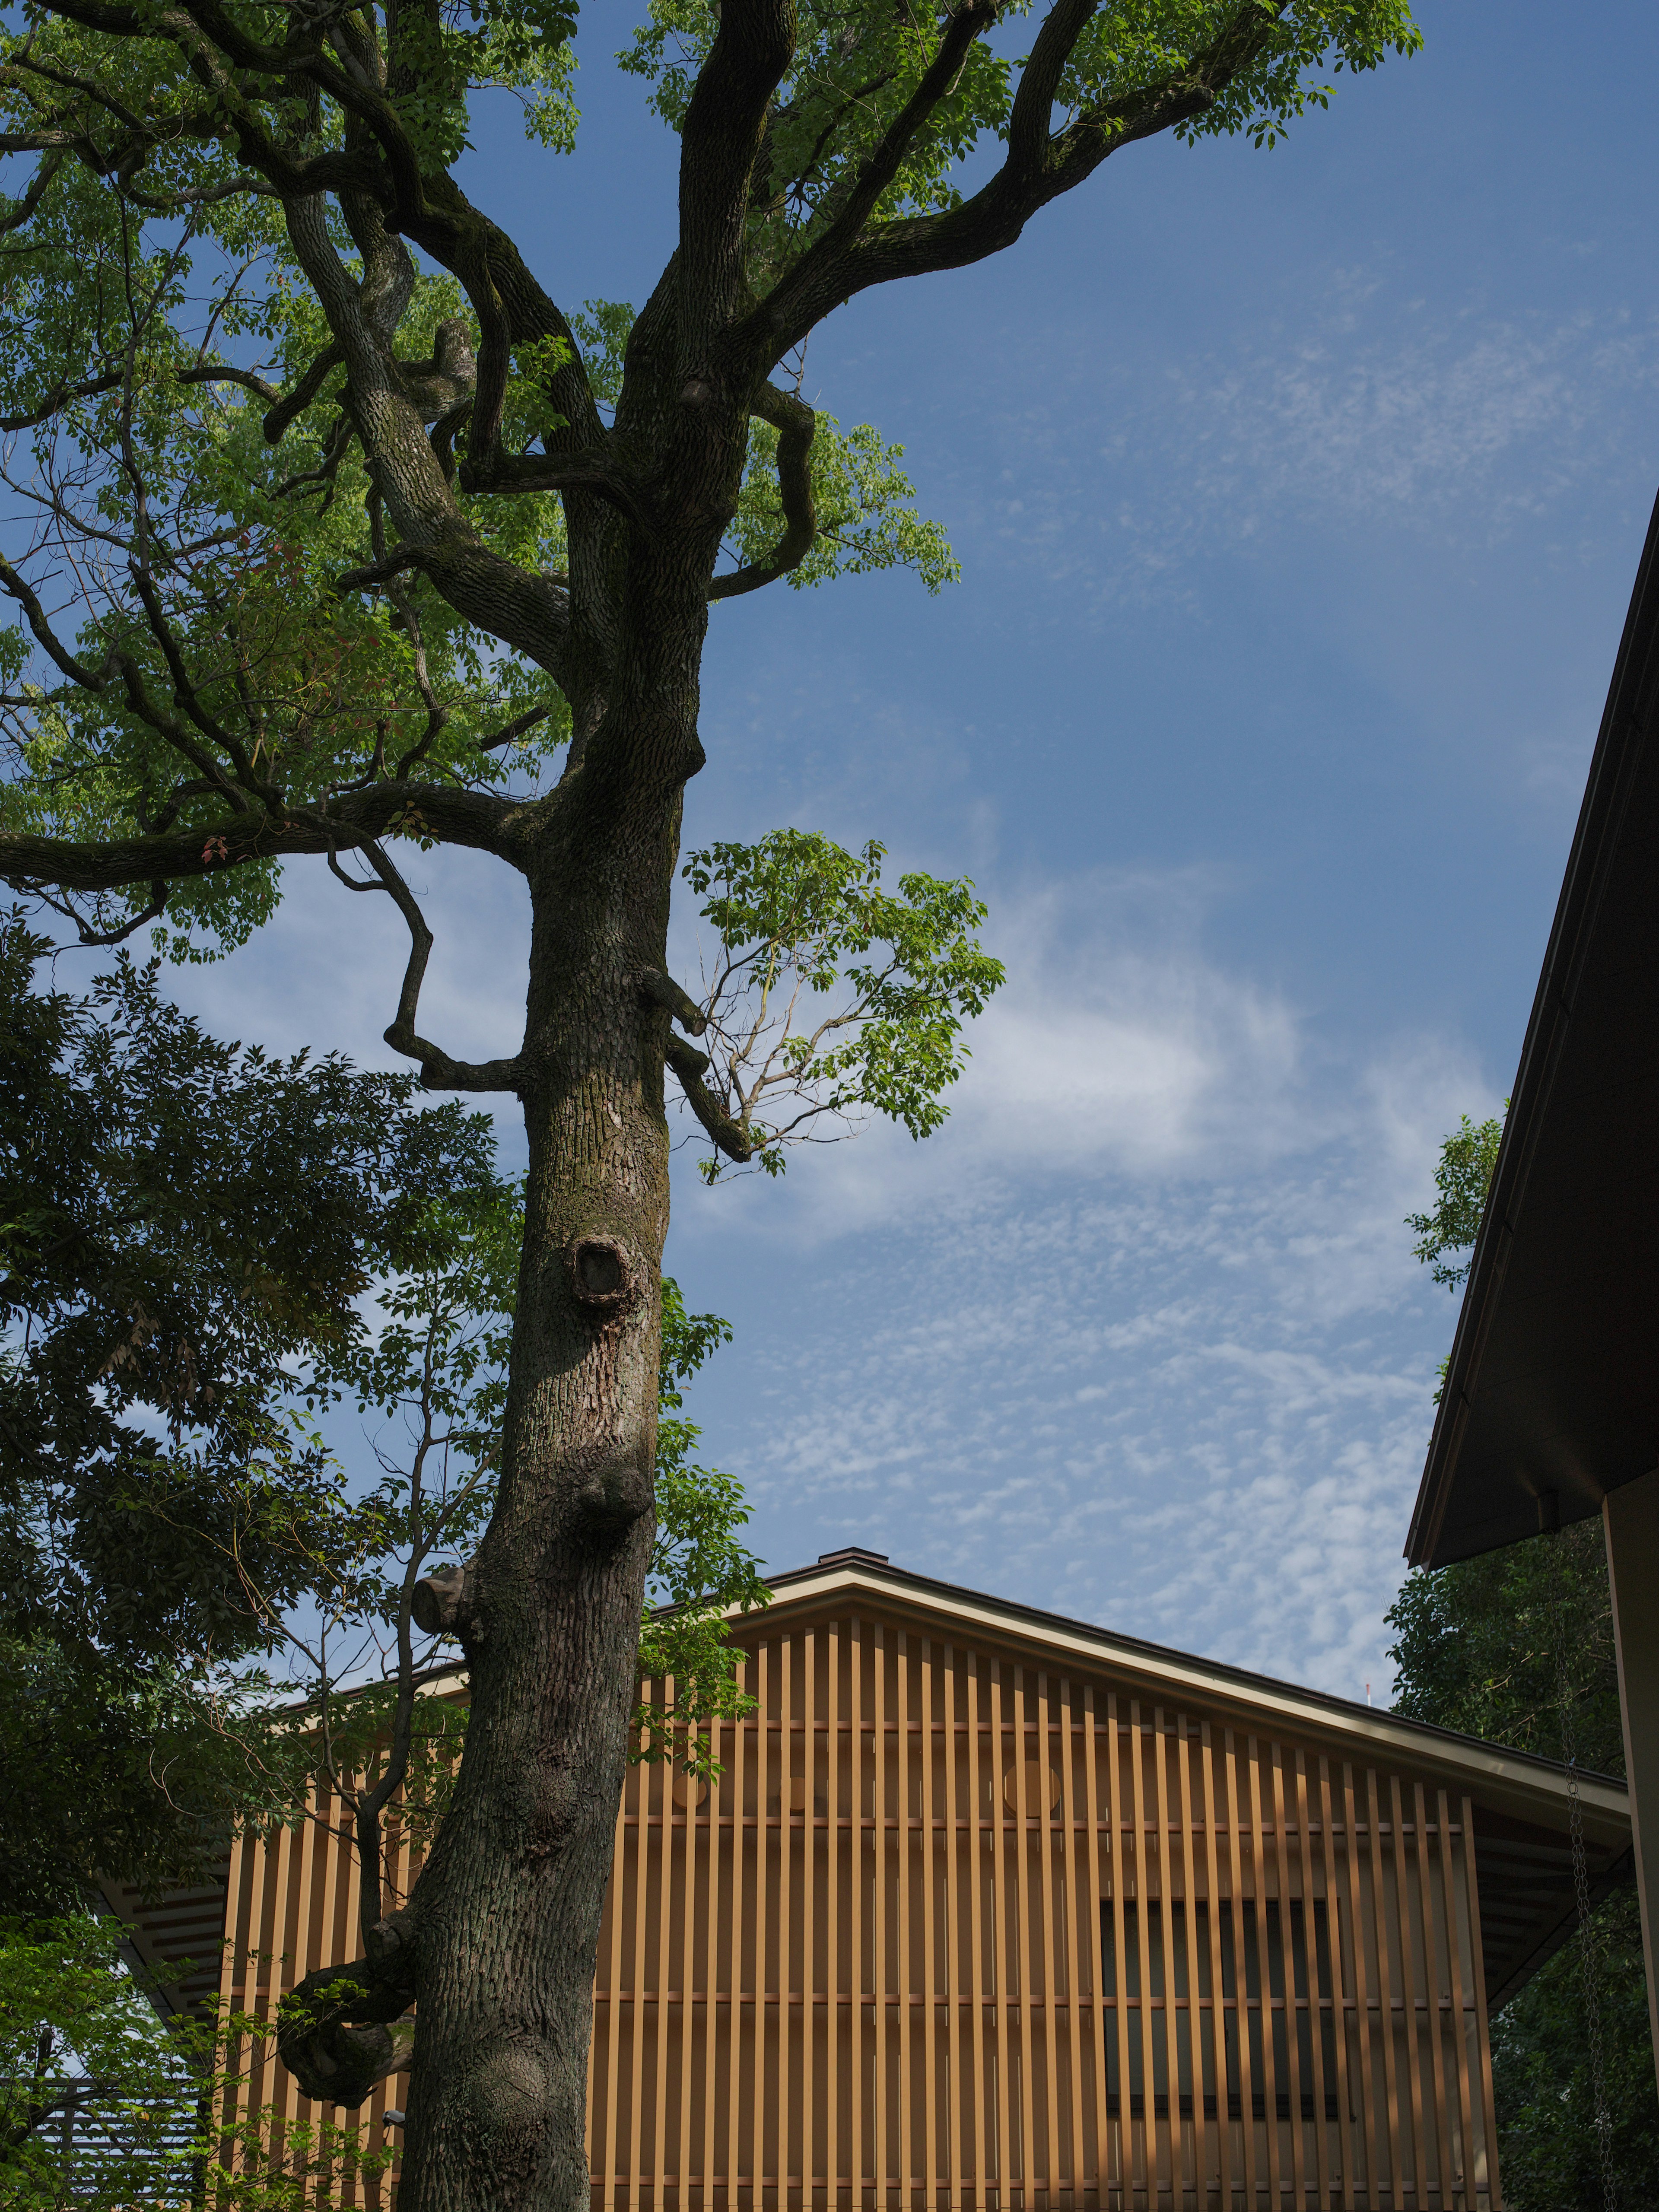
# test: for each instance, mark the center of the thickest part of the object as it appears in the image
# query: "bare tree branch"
(61, 396)
(520, 726)
(796, 425)
(295, 402)
(89, 679)
(527, 611)
(688, 1064)
(50, 164)
(437, 1071)
(157, 907)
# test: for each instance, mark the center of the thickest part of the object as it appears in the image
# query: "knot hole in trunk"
(602, 1274)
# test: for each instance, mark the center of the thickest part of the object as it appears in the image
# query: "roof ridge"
(1220, 1668)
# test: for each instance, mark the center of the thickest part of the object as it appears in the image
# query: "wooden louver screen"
(959, 1933)
(956, 1933)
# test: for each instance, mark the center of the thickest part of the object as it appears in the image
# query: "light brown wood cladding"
(957, 1931)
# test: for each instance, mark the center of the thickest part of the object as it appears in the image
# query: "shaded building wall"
(956, 1932)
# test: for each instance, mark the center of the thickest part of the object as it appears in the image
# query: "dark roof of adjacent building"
(1551, 1397)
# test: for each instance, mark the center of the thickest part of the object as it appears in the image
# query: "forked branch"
(1039, 166)
(294, 402)
(437, 1071)
(119, 934)
(795, 423)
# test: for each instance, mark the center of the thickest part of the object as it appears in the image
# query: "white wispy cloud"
(1138, 1337)
(1414, 420)
(1146, 1344)
(1357, 405)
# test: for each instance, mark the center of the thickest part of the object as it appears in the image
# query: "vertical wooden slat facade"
(955, 1933)
(971, 1924)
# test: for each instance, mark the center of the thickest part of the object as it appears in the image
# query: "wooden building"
(994, 1911)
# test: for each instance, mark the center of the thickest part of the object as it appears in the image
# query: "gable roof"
(1523, 1804)
(1514, 1781)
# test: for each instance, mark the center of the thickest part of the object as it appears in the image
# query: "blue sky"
(1298, 496)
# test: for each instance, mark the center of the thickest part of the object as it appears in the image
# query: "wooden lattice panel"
(959, 1930)
(293, 1905)
(951, 1924)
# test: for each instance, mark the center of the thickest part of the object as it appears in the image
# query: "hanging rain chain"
(1589, 1980)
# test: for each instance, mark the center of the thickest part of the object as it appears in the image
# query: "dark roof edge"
(1112, 1639)
(1245, 1679)
(1619, 748)
(1560, 1931)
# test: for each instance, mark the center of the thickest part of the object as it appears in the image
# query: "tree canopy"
(189, 1227)
(214, 1261)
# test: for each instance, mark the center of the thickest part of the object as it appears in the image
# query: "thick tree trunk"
(504, 1923)
(496, 1946)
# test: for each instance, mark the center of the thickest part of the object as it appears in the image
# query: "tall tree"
(529, 512)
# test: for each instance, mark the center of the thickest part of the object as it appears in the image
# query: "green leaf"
(831, 996)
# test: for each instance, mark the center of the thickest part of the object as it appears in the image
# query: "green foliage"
(797, 920)
(69, 2013)
(857, 67)
(206, 1251)
(187, 1227)
(140, 1772)
(864, 505)
(1154, 43)
(855, 70)
(1468, 1158)
(239, 541)
(1549, 2154)
(205, 561)
(602, 329)
(520, 46)
(1482, 1644)
(1486, 1646)
(530, 413)
(75, 2025)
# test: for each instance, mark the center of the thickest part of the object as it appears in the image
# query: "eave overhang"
(1511, 1782)
(1522, 1807)
(1552, 1396)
